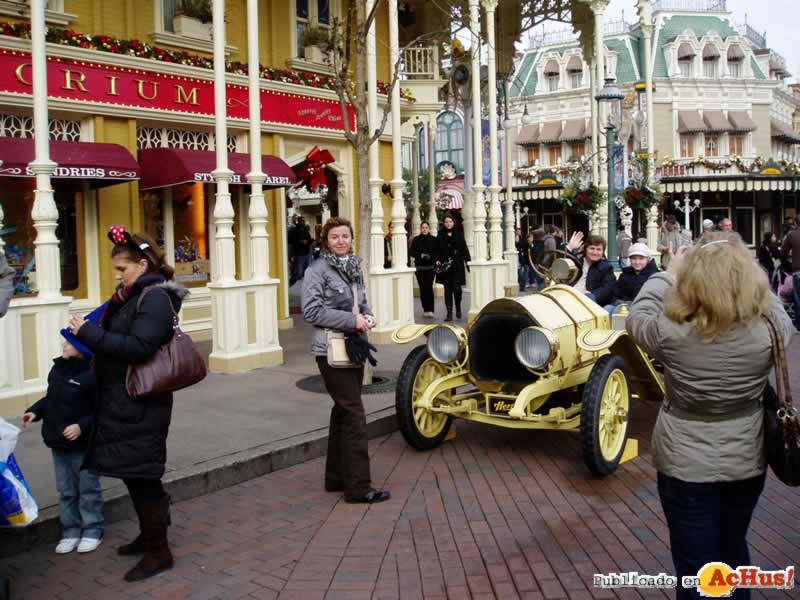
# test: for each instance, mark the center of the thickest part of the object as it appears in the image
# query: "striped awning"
(551, 68)
(716, 121)
(551, 132)
(739, 184)
(741, 121)
(685, 51)
(710, 52)
(449, 199)
(690, 121)
(784, 132)
(528, 135)
(575, 64)
(574, 131)
(735, 52)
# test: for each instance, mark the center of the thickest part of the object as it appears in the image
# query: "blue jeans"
(300, 265)
(708, 522)
(80, 498)
(796, 287)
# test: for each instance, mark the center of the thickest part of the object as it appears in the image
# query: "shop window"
(554, 154)
(311, 13)
(712, 145)
(533, 154)
(190, 211)
(576, 150)
(449, 143)
(736, 144)
(17, 199)
(687, 146)
(743, 224)
(556, 219)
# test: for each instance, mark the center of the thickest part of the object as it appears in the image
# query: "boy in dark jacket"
(67, 412)
(633, 277)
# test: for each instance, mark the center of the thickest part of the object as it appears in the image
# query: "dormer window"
(686, 60)
(735, 60)
(575, 72)
(551, 75)
(710, 61)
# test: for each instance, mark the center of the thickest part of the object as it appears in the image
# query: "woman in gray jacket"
(702, 320)
(328, 304)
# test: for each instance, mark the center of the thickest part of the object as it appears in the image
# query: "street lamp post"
(611, 98)
(689, 206)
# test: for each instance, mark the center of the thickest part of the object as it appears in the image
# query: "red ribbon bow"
(117, 234)
(313, 170)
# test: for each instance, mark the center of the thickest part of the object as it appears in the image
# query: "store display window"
(19, 235)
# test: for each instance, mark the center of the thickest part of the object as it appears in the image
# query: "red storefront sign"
(106, 84)
(673, 171)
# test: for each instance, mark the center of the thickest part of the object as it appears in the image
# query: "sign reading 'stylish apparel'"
(106, 84)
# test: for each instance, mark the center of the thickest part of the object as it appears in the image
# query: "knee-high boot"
(157, 556)
(137, 545)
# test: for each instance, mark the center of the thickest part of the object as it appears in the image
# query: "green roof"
(674, 26)
(757, 72)
(522, 73)
(626, 70)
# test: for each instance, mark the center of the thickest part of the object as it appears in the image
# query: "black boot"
(157, 556)
(449, 316)
(458, 311)
(137, 545)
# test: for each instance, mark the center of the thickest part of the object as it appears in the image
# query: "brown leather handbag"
(176, 365)
(781, 426)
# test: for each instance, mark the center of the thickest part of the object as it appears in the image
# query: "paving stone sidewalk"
(493, 514)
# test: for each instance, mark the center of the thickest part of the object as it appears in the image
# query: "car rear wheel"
(605, 414)
(421, 428)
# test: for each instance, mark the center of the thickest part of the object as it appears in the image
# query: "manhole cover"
(382, 382)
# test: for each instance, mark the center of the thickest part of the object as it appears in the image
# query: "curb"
(198, 480)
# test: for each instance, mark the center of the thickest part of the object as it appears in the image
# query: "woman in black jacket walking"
(453, 256)
(423, 250)
(130, 440)
(767, 251)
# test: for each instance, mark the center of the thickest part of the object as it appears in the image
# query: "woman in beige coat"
(703, 320)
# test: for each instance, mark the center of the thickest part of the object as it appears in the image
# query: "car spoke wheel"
(605, 414)
(421, 428)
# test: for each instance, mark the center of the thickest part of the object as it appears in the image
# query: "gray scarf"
(349, 266)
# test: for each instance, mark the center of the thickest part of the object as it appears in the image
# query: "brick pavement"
(494, 514)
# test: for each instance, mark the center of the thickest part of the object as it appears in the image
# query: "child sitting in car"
(633, 276)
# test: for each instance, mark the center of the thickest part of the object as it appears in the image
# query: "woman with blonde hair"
(703, 320)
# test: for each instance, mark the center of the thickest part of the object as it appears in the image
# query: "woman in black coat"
(453, 256)
(767, 251)
(130, 439)
(424, 251)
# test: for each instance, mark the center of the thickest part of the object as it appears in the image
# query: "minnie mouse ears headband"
(120, 236)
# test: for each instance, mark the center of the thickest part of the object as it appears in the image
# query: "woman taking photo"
(423, 251)
(328, 304)
(130, 441)
(453, 256)
(702, 320)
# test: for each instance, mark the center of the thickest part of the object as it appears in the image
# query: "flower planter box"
(191, 27)
(315, 54)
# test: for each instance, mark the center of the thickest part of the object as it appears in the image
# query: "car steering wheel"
(548, 269)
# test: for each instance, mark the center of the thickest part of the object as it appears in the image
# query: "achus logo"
(718, 580)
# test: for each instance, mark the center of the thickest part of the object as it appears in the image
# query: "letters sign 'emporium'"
(105, 84)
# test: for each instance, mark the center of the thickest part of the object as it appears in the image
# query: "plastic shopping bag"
(17, 506)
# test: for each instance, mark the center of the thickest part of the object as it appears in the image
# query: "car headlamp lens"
(535, 347)
(443, 345)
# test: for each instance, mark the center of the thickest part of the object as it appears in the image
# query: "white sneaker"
(429, 315)
(67, 545)
(89, 545)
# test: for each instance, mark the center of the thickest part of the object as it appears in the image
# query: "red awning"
(100, 164)
(163, 167)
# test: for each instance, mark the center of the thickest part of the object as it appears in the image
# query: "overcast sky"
(777, 17)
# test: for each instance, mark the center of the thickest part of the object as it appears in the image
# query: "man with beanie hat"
(708, 225)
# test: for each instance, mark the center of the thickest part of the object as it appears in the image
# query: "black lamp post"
(611, 97)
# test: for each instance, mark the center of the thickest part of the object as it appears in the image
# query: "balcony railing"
(758, 39)
(420, 63)
(691, 5)
(568, 35)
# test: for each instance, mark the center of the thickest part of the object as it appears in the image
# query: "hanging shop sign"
(96, 83)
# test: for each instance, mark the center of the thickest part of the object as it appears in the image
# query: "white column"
(433, 219)
(598, 8)
(646, 23)
(257, 213)
(479, 210)
(652, 228)
(45, 212)
(595, 123)
(415, 217)
(510, 247)
(375, 181)
(399, 236)
(495, 212)
(223, 208)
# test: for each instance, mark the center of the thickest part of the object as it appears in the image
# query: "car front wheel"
(605, 415)
(423, 429)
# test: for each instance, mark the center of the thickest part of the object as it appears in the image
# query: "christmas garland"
(574, 197)
(139, 49)
(723, 165)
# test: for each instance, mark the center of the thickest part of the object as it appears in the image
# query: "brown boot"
(157, 556)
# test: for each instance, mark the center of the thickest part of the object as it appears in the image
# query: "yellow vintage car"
(550, 360)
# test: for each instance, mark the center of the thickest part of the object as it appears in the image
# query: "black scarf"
(122, 294)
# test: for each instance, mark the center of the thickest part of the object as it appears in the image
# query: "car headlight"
(535, 347)
(443, 345)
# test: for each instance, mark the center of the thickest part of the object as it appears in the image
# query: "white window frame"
(717, 145)
(735, 68)
(334, 10)
(745, 141)
(575, 79)
(693, 138)
(711, 68)
(752, 210)
(161, 36)
(552, 82)
(53, 14)
(688, 72)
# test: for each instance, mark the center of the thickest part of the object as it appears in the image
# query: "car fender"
(409, 333)
(646, 381)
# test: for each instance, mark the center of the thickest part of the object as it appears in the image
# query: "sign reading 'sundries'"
(105, 84)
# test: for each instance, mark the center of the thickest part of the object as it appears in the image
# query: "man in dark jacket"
(791, 246)
(597, 280)
(633, 277)
(67, 412)
(300, 246)
(424, 248)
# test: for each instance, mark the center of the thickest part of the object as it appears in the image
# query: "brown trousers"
(347, 464)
